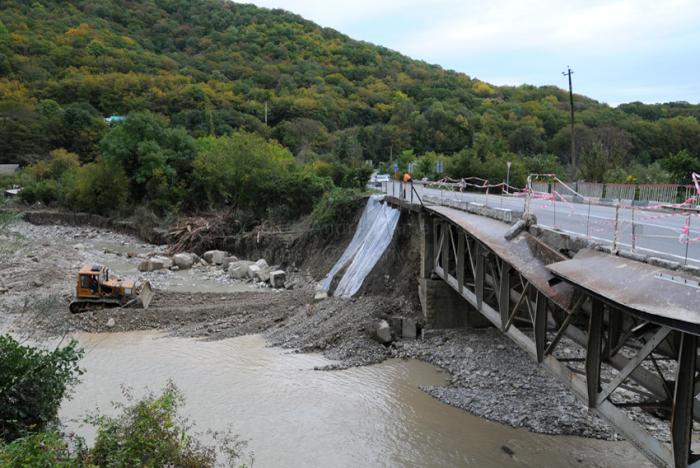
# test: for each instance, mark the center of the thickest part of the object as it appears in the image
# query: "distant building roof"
(9, 168)
(115, 118)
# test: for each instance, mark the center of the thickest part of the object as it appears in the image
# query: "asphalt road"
(648, 231)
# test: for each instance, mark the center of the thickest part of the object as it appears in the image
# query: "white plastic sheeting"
(372, 237)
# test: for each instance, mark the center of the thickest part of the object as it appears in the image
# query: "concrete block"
(693, 270)
(632, 255)
(409, 329)
(503, 214)
(277, 279)
(396, 325)
(663, 263)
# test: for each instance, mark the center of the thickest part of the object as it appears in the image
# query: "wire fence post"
(588, 220)
(615, 228)
(687, 239)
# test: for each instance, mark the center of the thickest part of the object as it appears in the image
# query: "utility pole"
(266, 111)
(568, 73)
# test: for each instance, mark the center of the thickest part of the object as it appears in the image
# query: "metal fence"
(620, 191)
(655, 194)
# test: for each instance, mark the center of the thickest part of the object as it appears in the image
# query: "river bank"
(490, 376)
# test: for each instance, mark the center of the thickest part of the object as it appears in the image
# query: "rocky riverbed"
(490, 376)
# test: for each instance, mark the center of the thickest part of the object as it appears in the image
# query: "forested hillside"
(210, 67)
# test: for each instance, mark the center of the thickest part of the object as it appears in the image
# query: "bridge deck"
(661, 296)
(524, 253)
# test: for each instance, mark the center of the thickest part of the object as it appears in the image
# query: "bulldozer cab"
(90, 279)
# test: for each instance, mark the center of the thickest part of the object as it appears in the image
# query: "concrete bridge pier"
(442, 306)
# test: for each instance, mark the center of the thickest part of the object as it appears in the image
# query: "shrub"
(32, 384)
(151, 433)
(44, 191)
(100, 187)
(336, 206)
(42, 450)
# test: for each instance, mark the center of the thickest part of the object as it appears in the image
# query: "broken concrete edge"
(572, 243)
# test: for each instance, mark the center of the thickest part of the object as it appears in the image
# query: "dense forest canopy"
(213, 68)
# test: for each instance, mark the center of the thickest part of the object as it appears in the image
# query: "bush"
(151, 433)
(100, 187)
(42, 450)
(336, 206)
(44, 191)
(32, 384)
(53, 168)
(146, 433)
(353, 175)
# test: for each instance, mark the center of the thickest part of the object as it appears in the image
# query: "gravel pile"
(493, 378)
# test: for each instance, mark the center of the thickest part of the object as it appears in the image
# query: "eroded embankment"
(491, 377)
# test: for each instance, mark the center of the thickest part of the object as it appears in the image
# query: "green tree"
(680, 166)
(156, 158)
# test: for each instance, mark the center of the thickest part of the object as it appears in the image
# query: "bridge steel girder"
(516, 303)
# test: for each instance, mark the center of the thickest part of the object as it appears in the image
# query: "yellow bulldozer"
(96, 288)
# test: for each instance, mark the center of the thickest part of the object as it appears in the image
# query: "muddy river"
(293, 415)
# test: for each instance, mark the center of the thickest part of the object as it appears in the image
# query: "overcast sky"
(620, 50)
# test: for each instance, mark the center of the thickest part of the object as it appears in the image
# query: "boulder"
(254, 272)
(183, 260)
(215, 257)
(382, 332)
(239, 269)
(320, 295)
(228, 261)
(277, 279)
(110, 323)
(262, 264)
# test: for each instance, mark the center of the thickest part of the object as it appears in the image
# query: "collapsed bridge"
(636, 325)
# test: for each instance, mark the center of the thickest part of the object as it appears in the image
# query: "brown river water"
(295, 416)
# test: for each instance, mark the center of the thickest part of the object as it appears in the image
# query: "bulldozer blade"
(146, 295)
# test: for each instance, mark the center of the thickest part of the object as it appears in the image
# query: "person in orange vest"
(407, 180)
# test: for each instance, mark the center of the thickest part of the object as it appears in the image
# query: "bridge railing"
(655, 228)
